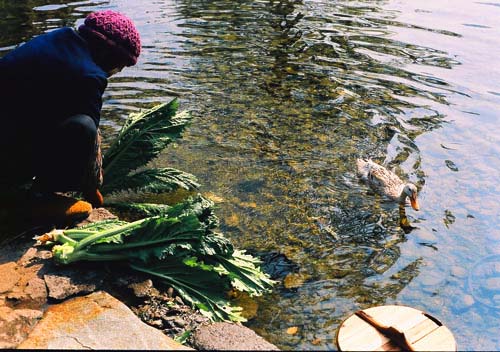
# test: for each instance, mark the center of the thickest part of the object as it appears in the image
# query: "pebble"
(200, 319)
(431, 279)
(458, 271)
(157, 323)
(142, 289)
(178, 299)
(180, 322)
(493, 283)
(427, 236)
(468, 300)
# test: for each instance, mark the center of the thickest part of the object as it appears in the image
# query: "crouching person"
(51, 91)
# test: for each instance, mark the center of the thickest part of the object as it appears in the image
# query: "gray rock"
(97, 321)
(226, 336)
(65, 284)
(493, 284)
(144, 288)
(37, 290)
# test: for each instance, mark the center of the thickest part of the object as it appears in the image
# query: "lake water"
(286, 95)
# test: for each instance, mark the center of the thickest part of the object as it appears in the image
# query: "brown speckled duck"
(387, 183)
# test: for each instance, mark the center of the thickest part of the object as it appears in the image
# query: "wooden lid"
(422, 331)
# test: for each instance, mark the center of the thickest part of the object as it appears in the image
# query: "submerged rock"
(97, 321)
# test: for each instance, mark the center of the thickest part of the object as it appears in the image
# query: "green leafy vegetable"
(143, 136)
(160, 180)
(176, 244)
(179, 247)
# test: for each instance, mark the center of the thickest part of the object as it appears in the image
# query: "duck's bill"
(414, 203)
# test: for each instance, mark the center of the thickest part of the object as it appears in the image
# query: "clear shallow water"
(286, 95)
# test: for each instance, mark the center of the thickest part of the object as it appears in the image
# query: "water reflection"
(298, 90)
(21, 20)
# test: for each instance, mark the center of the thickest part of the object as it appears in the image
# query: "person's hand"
(94, 197)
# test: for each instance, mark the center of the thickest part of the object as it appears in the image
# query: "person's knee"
(79, 127)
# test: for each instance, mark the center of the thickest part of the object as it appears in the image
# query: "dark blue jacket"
(48, 79)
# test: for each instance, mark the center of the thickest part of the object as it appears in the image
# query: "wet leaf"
(294, 280)
(451, 165)
(249, 305)
(316, 341)
(214, 197)
(249, 204)
(232, 220)
(445, 147)
(449, 218)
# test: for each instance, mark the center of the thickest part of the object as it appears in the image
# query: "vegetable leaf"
(143, 136)
(179, 247)
(159, 180)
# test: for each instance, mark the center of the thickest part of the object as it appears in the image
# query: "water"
(286, 95)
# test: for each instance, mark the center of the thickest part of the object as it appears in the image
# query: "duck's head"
(410, 191)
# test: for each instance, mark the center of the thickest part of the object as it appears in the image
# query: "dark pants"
(57, 158)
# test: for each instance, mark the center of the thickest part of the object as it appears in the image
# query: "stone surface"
(63, 285)
(9, 275)
(15, 324)
(22, 296)
(28, 275)
(98, 214)
(97, 321)
(226, 336)
(144, 289)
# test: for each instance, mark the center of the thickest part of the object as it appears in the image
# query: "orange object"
(95, 198)
(58, 208)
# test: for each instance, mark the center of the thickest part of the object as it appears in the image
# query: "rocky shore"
(90, 306)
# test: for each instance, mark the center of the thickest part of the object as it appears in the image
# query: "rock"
(180, 322)
(467, 300)
(62, 286)
(9, 275)
(226, 336)
(15, 324)
(96, 215)
(458, 271)
(426, 236)
(144, 289)
(493, 284)
(36, 290)
(30, 314)
(97, 321)
(463, 304)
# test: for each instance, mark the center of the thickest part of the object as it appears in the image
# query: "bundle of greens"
(175, 244)
(179, 247)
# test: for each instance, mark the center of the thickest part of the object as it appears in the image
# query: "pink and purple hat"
(117, 31)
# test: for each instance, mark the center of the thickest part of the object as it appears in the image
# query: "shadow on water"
(286, 95)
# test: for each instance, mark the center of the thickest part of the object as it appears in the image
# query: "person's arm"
(90, 103)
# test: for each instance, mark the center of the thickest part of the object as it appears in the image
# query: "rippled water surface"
(286, 95)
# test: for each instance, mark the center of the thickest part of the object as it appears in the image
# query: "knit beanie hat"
(116, 31)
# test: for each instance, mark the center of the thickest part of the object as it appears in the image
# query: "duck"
(387, 183)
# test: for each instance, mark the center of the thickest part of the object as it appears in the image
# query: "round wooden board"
(425, 333)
